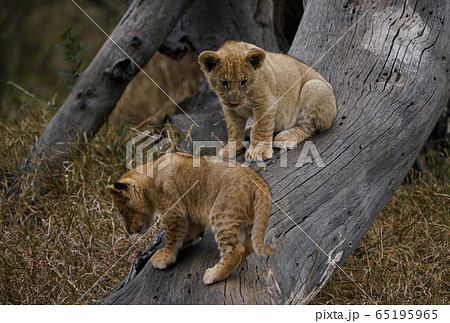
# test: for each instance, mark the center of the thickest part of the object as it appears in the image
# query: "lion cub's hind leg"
(226, 230)
(245, 237)
(317, 112)
(231, 258)
(194, 235)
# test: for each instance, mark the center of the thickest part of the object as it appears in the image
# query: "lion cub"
(279, 92)
(233, 201)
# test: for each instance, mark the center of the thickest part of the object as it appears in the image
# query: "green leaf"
(65, 73)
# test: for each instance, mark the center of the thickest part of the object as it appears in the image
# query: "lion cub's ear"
(208, 60)
(118, 190)
(256, 57)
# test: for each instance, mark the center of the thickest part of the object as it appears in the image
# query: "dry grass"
(61, 242)
(404, 257)
(61, 235)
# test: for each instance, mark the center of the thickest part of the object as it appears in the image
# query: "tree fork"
(138, 35)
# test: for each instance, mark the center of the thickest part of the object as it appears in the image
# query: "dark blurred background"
(32, 55)
(29, 33)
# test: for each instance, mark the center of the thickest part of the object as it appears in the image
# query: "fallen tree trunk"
(390, 73)
(139, 34)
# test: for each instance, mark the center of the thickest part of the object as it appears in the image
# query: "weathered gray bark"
(391, 77)
(140, 33)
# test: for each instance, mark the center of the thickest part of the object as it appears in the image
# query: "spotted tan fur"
(233, 201)
(279, 92)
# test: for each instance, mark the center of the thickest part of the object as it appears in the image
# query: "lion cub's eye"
(243, 82)
(224, 83)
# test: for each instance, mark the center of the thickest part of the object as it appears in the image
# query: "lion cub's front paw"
(256, 154)
(161, 259)
(231, 150)
(210, 276)
(286, 140)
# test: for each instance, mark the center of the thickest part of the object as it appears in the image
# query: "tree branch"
(133, 42)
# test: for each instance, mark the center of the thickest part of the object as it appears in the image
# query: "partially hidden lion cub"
(279, 92)
(234, 202)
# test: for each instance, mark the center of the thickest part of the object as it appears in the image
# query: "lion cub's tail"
(262, 205)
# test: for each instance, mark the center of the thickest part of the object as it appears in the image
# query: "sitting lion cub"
(233, 201)
(279, 92)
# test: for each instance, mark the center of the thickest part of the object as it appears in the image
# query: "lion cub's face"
(132, 204)
(232, 71)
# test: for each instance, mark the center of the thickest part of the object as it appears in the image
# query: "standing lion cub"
(233, 201)
(279, 92)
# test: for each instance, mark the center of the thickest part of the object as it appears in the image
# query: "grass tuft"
(61, 241)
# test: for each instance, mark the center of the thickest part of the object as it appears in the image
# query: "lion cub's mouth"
(234, 106)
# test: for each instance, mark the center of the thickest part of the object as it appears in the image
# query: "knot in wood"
(136, 42)
(122, 70)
